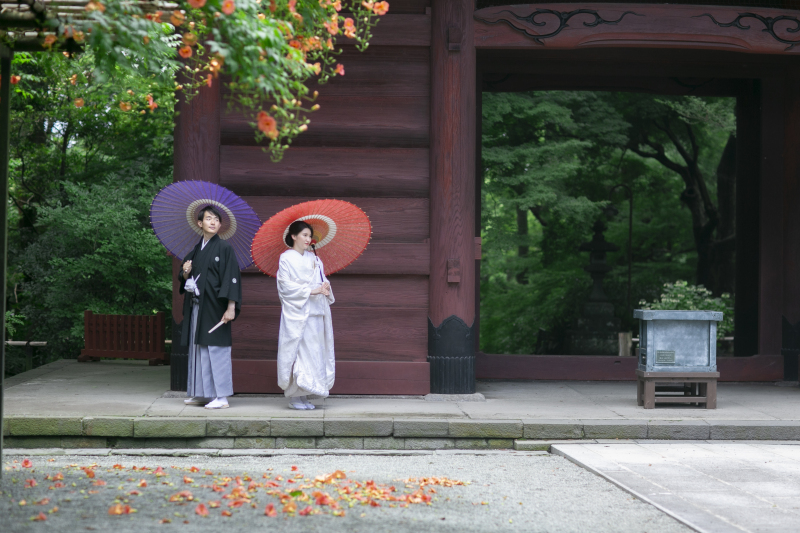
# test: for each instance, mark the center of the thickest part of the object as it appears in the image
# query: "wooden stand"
(697, 388)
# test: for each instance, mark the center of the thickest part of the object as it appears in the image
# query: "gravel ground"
(506, 492)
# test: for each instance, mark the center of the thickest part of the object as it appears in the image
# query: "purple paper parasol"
(173, 215)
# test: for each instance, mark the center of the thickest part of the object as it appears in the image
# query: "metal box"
(677, 341)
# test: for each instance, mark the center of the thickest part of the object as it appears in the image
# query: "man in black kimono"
(212, 294)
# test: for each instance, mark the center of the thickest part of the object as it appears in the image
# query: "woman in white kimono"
(305, 342)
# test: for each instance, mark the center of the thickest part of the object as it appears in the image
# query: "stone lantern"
(596, 332)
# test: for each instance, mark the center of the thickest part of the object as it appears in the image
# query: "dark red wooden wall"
(369, 145)
(373, 143)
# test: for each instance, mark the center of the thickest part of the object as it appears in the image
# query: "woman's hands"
(187, 267)
(324, 289)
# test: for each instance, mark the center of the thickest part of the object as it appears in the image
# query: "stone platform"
(125, 406)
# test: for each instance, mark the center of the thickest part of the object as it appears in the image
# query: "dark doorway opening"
(566, 257)
(669, 73)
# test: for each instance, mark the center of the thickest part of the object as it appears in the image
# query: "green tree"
(81, 180)
(550, 163)
(268, 51)
(96, 252)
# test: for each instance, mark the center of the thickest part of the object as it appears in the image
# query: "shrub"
(680, 296)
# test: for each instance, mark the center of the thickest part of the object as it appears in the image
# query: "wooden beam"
(771, 284)
(196, 157)
(452, 160)
(326, 172)
(791, 201)
(599, 25)
(352, 377)
(748, 168)
(451, 344)
(611, 368)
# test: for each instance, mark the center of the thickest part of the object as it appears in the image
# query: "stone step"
(365, 433)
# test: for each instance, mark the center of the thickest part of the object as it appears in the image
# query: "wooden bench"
(697, 388)
(124, 337)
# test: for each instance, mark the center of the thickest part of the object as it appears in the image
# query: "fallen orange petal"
(201, 509)
(116, 509)
(270, 511)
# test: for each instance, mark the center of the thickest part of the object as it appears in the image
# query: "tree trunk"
(522, 249)
(695, 196)
(64, 146)
(723, 253)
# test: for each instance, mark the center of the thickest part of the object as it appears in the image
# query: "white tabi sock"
(308, 404)
(296, 402)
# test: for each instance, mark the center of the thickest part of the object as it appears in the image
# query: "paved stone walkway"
(118, 404)
(712, 487)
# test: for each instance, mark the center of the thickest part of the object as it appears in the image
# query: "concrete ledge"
(246, 427)
(429, 444)
(510, 429)
(84, 442)
(544, 445)
(169, 427)
(384, 443)
(32, 442)
(166, 452)
(107, 427)
(253, 442)
(678, 430)
(192, 452)
(615, 429)
(347, 443)
(33, 451)
(32, 426)
(295, 442)
(754, 430)
(370, 433)
(166, 444)
(552, 429)
(349, 427)
(211, 443)
(471, 444)
(421, 428)
(297, 427)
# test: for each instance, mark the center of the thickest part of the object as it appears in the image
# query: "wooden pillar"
(195, 157)
(771, 228)
(748, 168)
(478, 188)
(791, 230)
(451, 345)
(5, 115)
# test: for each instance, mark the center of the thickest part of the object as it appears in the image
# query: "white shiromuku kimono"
(306, 365)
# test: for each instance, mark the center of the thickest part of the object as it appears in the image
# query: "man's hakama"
(210, 372)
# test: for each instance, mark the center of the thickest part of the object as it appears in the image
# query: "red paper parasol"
(341, 232)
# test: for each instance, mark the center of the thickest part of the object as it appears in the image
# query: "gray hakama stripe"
(210, 372)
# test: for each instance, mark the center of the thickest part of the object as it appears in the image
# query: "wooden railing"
(124, 336)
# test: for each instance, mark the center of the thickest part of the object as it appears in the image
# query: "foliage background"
(81, 181)
(550, 163)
